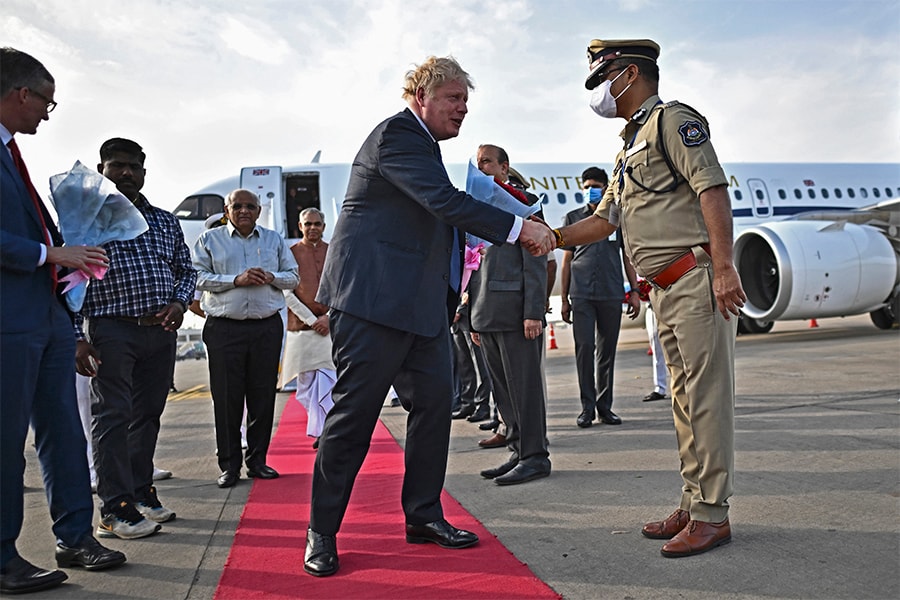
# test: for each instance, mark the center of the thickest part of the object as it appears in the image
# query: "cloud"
(255, 40)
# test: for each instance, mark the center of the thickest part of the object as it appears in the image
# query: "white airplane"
(811, 240)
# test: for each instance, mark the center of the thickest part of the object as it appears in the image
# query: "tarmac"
(815, 512)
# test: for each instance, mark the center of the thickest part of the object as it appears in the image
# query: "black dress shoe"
(482, 413)
(610, 418)
(18, 576)
(521, 474)
(585, 419)
(502, 469)
(88, 554)
(465, 411)
(490, 425)
(228, 479)
(441, 533)
(321, 559)
(262, 472)
(654, 395)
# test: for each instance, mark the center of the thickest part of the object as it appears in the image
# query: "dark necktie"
(43, 215)
(455, 266)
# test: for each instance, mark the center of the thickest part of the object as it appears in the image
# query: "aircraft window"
(811, 192)
(851, 193)
(797, 194)
(738, 195)
(824, 193)
(876, 192)
(579, 197)
(837, 192)
(782, 194)
(863, 193)
(545, 199)
(199, 208)
(561, 197)
(888, 192)
(759, 195)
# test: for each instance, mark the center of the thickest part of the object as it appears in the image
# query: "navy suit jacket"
(389, 257)
(25, 289)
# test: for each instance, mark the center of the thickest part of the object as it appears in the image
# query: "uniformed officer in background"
(668, 193)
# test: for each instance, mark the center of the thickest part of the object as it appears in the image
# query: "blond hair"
(432, 74)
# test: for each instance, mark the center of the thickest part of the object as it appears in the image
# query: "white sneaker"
(159, 474)
(125, 523)
(151, 508)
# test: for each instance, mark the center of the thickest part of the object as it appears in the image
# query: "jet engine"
(814, 269)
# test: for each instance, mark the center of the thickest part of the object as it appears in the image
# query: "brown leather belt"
(677, 268)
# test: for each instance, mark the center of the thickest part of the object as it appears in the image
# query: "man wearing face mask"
(668, 193)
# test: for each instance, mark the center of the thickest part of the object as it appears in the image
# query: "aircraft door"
(762, 204)
(302, 193)
(265, 182)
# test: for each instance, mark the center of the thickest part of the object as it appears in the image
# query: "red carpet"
(266, 559)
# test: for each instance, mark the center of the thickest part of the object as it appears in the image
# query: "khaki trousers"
(699, 348)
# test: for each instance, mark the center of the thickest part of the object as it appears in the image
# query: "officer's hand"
(537, 238)
(730, 296)
(476, 338)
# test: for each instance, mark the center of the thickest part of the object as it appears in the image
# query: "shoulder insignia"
(693, 133)
(671, 103)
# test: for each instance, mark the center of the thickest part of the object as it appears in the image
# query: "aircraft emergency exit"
(811, 240)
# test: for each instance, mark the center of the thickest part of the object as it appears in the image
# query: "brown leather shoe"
(497, 441)
(696, 538)
(666, 530)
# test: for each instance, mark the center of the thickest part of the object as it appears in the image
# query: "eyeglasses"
(606, 73)
(250, 207)
(50, 103)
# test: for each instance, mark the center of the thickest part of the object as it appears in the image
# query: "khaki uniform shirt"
(660, 227)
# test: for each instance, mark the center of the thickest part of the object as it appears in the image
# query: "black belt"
(145, 321)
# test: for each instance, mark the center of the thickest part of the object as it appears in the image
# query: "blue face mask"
(594, 195)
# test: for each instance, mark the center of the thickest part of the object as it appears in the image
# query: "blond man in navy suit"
(392, 279)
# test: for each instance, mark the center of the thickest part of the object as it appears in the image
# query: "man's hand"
(476, 338)
(537, 238)
(634, 305)
(533, 328)
(171, 316)
(78, 257)
(566, 310)
(321, 325)
(86, 359)
(730, 296)
(254, 276)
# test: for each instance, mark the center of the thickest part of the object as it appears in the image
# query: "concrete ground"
(815, 512)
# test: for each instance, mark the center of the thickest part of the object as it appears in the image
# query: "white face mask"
(602, 101)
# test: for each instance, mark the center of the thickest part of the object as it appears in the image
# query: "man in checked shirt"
(128, 348)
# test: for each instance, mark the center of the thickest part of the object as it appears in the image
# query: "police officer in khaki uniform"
(668, 193)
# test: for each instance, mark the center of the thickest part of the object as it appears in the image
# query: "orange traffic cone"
(553, 345)
(813, 323)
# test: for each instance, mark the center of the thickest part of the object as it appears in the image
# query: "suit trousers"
(37, 387)
(471, 368)
(369, 358)
(243, 367)
(595, 327)
(699, 346)
(516, 367)
(129, 396)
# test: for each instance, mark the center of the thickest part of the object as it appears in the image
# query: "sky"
(209, 86)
